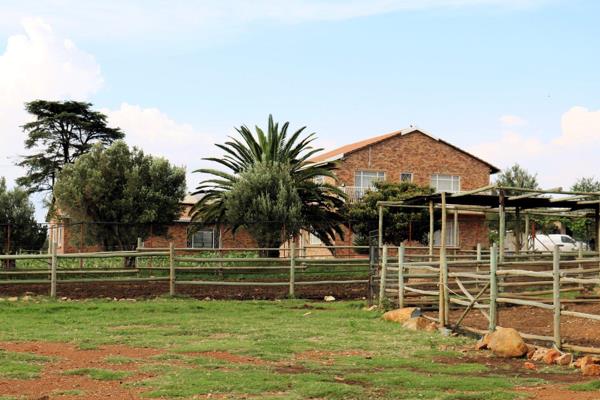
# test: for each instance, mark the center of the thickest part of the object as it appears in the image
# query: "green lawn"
(285, 350)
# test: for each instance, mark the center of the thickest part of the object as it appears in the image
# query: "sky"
(509, 80)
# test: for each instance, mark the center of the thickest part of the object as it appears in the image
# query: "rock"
(372, 308)
(529, 365)
(26, 298)
(539, 354)
(565, 359)
(586, 360)
(419, 324)
(329, 298)
(591, 370)
(402, 315)
(506, 342)
(551, 356)
(530, 351)
(483, 343)
(12, 299)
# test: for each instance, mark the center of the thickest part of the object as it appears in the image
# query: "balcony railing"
(354, 193)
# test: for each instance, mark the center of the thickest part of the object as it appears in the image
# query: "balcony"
(354, 193)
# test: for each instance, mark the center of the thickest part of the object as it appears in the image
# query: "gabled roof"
(340, 152)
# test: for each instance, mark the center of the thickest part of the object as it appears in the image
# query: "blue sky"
(512, 81)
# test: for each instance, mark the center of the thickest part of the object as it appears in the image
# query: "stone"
(419, 324)
(586, 360)
(565, 359)
(506, 342)
(26, 298)
(530, 366)
(551, 356)
(12, 299)
(591, 370)
(402, 315)
(531, 351)
(539, 354)
(329, 298)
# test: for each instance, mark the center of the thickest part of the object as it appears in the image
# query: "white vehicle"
(548, 242)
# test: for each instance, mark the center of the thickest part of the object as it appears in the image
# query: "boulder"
(551, 356)
(402, 315)
(329, 298)
(419, 324)
(483, 343)
(591, 370)
(506, 342)
(530, 366)
(586, 360)
(538, 354)
(565, 359)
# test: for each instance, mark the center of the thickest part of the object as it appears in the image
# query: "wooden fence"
(485, 284)
(186, 266)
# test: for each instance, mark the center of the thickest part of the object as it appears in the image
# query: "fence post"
(477, 269)
(171, 269)
(556, 295)
(53, 267)
(401, 250)
(140, 244)
(444, 288)
(580, 266)
(382, 275)
(493, 287)
(292, 268)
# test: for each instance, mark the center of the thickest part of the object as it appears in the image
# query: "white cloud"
(512, 120)
(157, 134)
(558, 160)
(38, 64)
(142, 18)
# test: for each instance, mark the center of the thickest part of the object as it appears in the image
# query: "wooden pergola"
(501, 200)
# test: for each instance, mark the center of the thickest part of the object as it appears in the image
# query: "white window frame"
(212, 231)
(314, 240)
(319, 179)
(454, 181)
(360, 175)
(449, 235)
(409, 174)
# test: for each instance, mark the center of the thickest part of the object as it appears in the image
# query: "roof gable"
(340, 152)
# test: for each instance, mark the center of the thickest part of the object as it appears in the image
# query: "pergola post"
(502, 225)
(443, 285)
(455, 228)
(380, 229)
(597, 218)
(431, 232)
(518, 233)
(527, 232)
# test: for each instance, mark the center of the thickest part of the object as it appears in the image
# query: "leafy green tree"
(583, 228)
(229, 188)
(400, 224)
(60, 132)
(265, 193)
(586, 184)
(517, 176)
(18, 227)
(121, 193)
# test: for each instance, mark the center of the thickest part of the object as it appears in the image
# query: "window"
(445, 183)
(406, 177)
(314, 240)
(449, 235)
(567, 239)
(60, 236)
(202, 239)
(367, 179)
(319, 179)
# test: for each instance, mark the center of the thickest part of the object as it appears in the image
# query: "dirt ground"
(538, 321)
(53, 383)
(153, 289)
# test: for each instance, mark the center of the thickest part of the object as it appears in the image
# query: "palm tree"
(320, 203)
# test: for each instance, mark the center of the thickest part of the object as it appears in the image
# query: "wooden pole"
(443, 266)
(477, 269)
(493, 287)
(401, 276)
(556, 295)
(382, 275)
(431, 231)
(518, 233)
(292, 268)
(455, 229)
(501, 225)
(53, 267)
(138, 248)
(527, 232)
(380, 228)
(580, 266)
(81, 244)
(171, 269)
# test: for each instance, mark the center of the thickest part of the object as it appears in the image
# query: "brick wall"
(418, 154)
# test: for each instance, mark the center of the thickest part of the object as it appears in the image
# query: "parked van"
(548, 242)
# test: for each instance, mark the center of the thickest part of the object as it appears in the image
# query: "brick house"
(406, 155)
(412, 155)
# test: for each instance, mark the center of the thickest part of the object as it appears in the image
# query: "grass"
(20, 365)
(338, 351)
(99, 373)
(587, 386)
